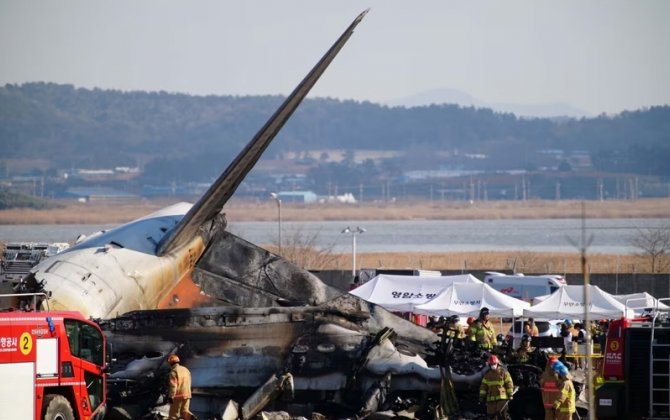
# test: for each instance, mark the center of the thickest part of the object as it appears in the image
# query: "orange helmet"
(493, 360)
(471, 319)
(551, 360)
(173, 359)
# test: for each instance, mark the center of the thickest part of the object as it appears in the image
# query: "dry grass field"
(104, 213)
(528, 262)
(243, 211)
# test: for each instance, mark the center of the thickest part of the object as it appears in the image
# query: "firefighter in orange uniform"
(179, 394)
(496, 389)
(564, 406)
(549, 386)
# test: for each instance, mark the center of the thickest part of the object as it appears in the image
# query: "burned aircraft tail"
(211, 203)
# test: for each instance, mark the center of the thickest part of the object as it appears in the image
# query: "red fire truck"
(51, 366)
(636, 368)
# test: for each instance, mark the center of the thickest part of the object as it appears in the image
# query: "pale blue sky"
(600, 56)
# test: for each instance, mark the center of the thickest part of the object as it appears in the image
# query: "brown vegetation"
(525, 262)
(242, 211)
(450, 210)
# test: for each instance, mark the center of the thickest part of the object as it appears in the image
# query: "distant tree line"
(10, 200)
(181, 138)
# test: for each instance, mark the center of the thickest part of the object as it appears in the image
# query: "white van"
(524, 287)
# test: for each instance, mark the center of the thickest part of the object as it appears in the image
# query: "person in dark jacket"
(524, 352)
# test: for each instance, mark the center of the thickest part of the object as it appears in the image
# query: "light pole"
(276, 198)
(353, 233)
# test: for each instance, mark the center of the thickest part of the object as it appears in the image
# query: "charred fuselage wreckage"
(332, 345)
(252, 327)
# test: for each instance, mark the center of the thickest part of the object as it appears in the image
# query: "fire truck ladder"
(659, 369)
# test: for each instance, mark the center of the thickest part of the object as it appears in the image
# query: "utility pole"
(585, 242)
(275, 197)
(353, 232)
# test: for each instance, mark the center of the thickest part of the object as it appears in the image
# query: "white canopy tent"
(639, 302)
(403, 293)
(568, 302)
(538, 299)
(467, 299)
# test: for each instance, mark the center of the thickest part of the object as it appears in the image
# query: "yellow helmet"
(173, 359)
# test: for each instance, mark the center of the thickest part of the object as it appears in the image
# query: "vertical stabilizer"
(211, 203)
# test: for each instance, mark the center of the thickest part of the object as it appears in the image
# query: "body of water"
(609, 236)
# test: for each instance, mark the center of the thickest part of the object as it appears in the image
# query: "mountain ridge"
(454, 96)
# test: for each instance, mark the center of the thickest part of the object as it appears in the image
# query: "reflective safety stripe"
(181, 395)
(30, 318)
(550, 390)
(61, 384)
(496, 385)
(565, 403)
(485, 336)
(487, 382)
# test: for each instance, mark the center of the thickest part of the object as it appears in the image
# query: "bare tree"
(302, 249)
(654, 244)
(526, 262)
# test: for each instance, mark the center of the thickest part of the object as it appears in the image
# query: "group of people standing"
(497, 388)
(479, 330)
(558, 392)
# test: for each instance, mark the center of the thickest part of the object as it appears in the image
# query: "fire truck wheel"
(57, 407)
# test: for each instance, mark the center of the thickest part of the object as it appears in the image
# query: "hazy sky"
(600, 56)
